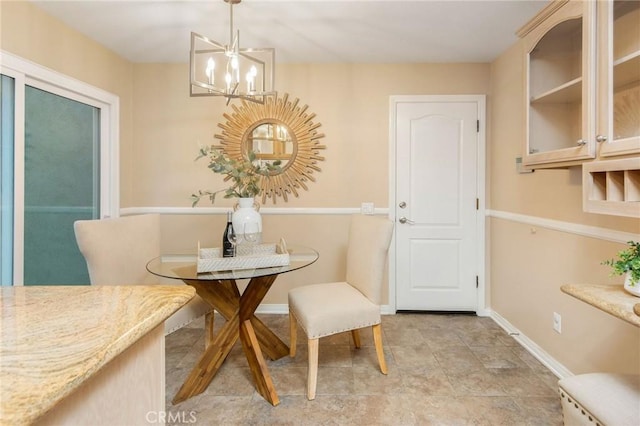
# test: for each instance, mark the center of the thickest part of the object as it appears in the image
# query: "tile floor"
(443, 370)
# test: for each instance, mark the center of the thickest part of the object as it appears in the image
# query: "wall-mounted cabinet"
(582, 63)
(612, 187)
(618, 78)
(560, 85)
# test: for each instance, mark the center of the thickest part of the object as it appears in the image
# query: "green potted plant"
(245, 174)
(628, 262)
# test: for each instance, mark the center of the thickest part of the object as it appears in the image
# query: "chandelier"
(227, 70)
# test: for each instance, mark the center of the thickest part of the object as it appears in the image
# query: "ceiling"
(357, 31)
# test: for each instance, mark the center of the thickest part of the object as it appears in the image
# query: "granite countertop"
(53, 338)
(612, 299)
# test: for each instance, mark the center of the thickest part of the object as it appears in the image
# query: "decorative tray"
(247, 257)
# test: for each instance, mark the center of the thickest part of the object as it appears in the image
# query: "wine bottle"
(228, 249)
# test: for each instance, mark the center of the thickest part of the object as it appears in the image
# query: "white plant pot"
(247, 221)
(633, 288)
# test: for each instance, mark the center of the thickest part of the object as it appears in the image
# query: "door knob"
(402, 205)
(405, 220)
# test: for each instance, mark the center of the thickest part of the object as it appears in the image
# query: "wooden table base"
(241, 323)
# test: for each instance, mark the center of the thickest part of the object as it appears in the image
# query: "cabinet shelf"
(568, 92)
(612, 187)
(628, 140)
(626, 70)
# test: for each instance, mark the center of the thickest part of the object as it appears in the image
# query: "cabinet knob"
(601, 138)
(581, 142)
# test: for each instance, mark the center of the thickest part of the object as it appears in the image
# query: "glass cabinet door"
(560, 97)
(619, 70)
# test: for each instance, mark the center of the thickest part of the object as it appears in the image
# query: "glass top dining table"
(183, 266)
(220, 290)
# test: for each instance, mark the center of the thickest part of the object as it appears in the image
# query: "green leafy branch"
(244, 174)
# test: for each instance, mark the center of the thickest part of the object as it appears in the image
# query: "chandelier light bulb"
(211, 66)
(235, 65)
(250, 77)
(227, 78)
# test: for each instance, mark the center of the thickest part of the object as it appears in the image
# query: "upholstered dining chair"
(117, 250)
(331, 308)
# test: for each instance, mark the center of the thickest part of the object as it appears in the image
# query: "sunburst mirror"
(278, 131)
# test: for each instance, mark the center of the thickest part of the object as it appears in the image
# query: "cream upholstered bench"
(601, 399)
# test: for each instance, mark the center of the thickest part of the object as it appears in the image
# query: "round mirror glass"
(272, 143)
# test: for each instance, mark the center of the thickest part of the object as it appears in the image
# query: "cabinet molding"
(542, 16)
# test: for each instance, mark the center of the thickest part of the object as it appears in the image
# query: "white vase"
(247, 221)
(633, 288)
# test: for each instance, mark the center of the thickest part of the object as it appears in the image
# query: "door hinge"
(477, 204)
(477, 280)
(478, 126)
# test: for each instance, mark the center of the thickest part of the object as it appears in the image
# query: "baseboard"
(283, 308)
(485, 312)
(273, 308)
(547, 360)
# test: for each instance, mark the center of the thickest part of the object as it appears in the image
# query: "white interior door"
(436, 204)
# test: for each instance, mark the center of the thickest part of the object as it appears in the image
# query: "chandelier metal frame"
(256, 65)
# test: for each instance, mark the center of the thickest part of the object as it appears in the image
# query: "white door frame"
(481, 166)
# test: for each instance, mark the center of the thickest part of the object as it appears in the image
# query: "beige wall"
(351, 101)
(161, 128)
(529, 264)
(28, 32)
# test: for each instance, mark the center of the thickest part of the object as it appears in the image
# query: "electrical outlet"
(367, 208)
(557, 322)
